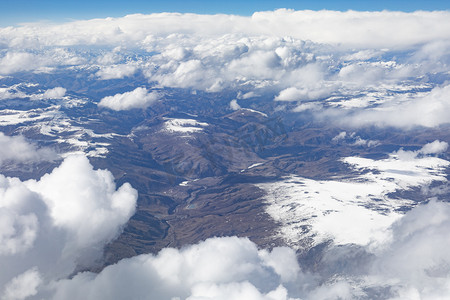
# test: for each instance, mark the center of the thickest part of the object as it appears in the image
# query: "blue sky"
(17, 11)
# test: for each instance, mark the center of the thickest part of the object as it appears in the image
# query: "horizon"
(16, 13)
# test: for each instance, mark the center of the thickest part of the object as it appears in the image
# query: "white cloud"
(234, 105)
(372, 73)
(374, 29)
(218, 268)
(7, 93)
(54, 93)
(19, 225)
(111, 57)
(290, 54)
(354, 140)
(138, 98)
(188, 74)
(435, 147)
(247, 95)
(355, 28)
(266, 50)
(341, 136)
(177, 53)
(314, 106)
(362, 55)
(88, 205)
(51, 225)
(19, 61)
(299, 94)
(17, 149)
(23, 286)
(57, 92)
(336, 290)
(416, 260)
(362, 142)
(116, 71)
(235, 291)
(290, 94)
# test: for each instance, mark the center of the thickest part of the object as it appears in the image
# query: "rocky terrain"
(199, 167)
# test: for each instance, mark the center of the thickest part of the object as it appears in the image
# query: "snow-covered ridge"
(358, 210)
(255, 111)
(53, 123)
(184, 125)
(384, 94)
(15, 117)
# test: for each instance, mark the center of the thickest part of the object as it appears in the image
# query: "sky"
(13, 12)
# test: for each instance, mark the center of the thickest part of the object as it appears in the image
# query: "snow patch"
(358, 210)
(255, 111)
(184, 125)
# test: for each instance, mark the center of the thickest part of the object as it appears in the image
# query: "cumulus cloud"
(341, 136)
(138, 98)
(234, 105)
(354, 140)
(88, 206)
(290, 94)
(38, 60)
(18, 149)
(412, 264)
(309, 106)
(14, 62)
(188, 74)
(247, 95)
(50, 226)
(116, 71)
(54, 93)
(435, 147)
(416, 259)
(57, 92)
(19, 224)
(218, 268)
(23, 285)
(8, 93)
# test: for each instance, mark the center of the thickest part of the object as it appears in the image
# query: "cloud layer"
(352, 62)
(373, 29)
